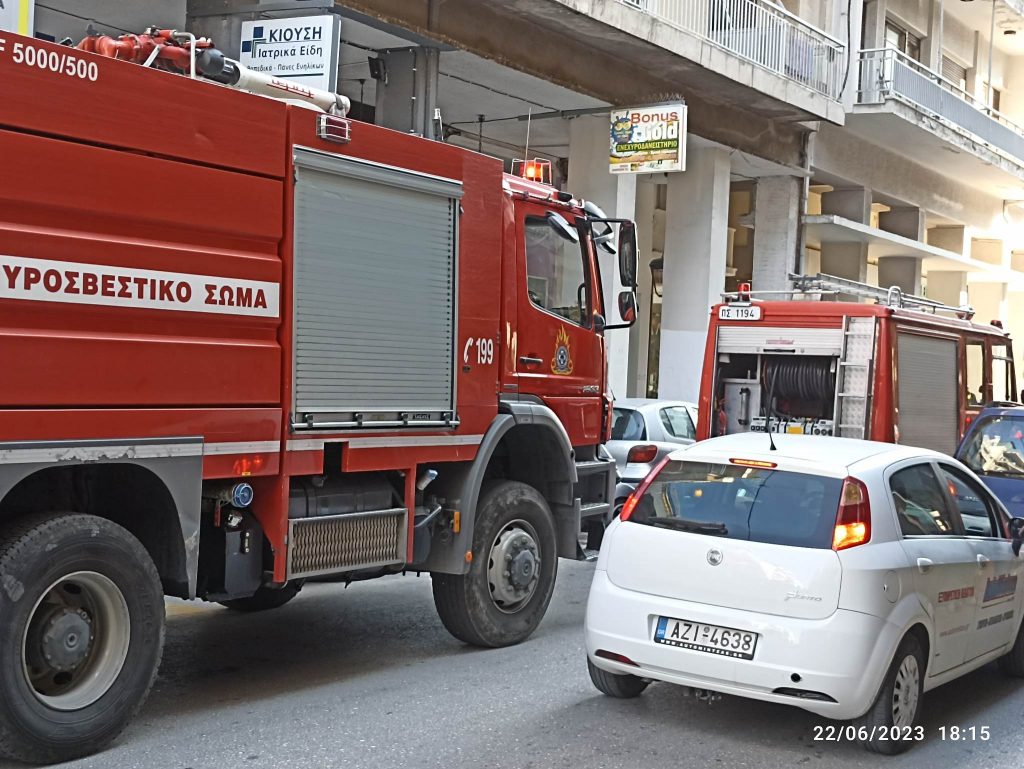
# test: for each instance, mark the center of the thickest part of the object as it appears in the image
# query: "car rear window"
(996, 447)
(755, 504)
(628, 425)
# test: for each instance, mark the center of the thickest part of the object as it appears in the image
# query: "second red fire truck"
(901, 369)
(247, 342)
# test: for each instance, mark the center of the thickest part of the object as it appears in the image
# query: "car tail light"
(637, 495)
(853, 519)
(642, 454)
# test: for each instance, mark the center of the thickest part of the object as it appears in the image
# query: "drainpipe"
(805, 190)
(991, 38)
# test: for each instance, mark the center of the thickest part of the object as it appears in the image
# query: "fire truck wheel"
(266, 598)
(504, 596)
(81, 636)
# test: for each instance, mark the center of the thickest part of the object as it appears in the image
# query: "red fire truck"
(247, 342)
(903, 369)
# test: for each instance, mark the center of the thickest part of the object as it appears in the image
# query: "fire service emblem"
(561, 363)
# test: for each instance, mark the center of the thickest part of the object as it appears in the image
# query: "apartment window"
(902, 39)
(954, 73)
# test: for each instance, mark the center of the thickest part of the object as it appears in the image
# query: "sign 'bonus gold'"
(648, 139)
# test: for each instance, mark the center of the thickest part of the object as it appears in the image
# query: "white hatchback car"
(844, 577)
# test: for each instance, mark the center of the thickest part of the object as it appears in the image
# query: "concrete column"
(902, 271)
(846, 260)
(639, 335)
(873, 35)
(907, 222)
(989, 301)
(932, 45)
(696, 239)
(848, 202)
(406, 97)
(590, 179)
(952, 238)
(776, 223)
(948, 287)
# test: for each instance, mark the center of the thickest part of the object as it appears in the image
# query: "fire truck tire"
(80, 638)
(265, 598)
(503, 597)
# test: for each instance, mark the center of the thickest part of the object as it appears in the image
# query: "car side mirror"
(1017, 534)
(627, 255)
(627, 306)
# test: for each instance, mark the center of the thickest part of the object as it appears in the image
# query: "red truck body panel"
(145, 274)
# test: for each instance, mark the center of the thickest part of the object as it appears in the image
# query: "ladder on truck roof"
(853, 380)
(893, 296)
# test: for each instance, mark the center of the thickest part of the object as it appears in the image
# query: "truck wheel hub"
(513, 567)
(66, 639)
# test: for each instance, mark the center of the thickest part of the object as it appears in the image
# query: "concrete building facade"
(878, 140)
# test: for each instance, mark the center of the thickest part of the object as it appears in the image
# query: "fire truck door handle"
(526, 360)
(924, 565)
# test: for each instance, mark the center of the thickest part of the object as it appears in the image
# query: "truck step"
(594, 508)
(594, 466)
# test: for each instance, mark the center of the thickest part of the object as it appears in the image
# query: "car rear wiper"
(698, 527)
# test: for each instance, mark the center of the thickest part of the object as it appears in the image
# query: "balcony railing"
(886, 73)
(762, 33)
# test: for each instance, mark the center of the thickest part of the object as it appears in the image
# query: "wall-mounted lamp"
(657, 268)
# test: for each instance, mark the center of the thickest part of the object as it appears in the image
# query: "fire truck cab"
(902, 369)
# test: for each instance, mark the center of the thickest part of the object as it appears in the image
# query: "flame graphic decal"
(561, 362)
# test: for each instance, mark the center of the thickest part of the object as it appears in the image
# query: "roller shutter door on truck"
(926, 380)
(375, 294)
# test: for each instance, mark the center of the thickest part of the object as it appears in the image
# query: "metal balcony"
(761, 33)
(887, 74)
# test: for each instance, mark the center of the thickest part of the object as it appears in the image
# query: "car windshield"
(628, 425)
(996, 447)
(755, 504)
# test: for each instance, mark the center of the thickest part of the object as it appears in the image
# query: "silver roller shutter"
(926, 376)
(375, 294)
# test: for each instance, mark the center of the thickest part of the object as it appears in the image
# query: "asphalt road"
(368, 677)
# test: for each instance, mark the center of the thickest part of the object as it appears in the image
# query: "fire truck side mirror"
(627, 306)
(627, 255)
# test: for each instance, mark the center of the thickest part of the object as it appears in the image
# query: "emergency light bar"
(536, 170)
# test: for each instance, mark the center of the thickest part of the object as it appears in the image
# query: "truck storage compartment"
(374, 296)
(810, 381)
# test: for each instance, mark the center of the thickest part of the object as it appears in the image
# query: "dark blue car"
(994, 449)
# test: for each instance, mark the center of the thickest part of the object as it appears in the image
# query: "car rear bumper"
(833, 656)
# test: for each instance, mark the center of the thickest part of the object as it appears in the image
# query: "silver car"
(644, 431)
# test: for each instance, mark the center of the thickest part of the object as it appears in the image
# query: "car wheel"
(1012, 663)
(80, 638)
(620, 686)
(897, 709)
(265, 598)
(503, 597)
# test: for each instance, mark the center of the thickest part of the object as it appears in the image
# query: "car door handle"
(526, 360)
(983, 561)
(924, 565)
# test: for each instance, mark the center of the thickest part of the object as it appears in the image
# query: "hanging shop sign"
(16, 16)
(648, 139)
(302, 49)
